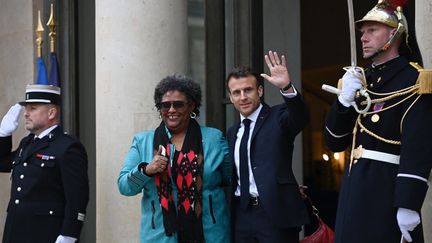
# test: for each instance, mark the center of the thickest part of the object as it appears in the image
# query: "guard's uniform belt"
(361, 152)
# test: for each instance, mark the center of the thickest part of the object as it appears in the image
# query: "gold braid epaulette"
(424, 79)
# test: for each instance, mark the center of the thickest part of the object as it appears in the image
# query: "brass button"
(19, 189)
(21, 176)
(16, 201)
(25, 164)
(375, 118)
(357, 153)
(379, 79)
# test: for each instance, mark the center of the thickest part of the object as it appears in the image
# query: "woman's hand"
(158, 164)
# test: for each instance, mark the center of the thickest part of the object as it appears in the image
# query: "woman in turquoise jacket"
(180, 168)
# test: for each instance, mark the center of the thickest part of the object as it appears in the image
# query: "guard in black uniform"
(385, 184)
(50, 189)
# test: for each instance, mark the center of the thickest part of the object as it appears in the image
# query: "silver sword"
(354, 69)
(352, 34)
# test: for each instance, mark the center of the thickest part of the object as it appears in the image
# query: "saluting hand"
(279, 75)
(159, 162)
(9, 122)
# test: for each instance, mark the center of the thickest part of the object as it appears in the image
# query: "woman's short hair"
(181, 83)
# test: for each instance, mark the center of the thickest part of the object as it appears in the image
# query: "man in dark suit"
(50, 190)
(266, 203)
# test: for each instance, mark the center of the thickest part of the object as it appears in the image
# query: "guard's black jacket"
(373, 190)
(50, 188)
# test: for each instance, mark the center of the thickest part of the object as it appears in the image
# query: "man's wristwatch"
(286, 88)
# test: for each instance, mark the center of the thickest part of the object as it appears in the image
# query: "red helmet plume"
(396, 3)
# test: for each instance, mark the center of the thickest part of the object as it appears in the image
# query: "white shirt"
(46, 132)
(253, 191)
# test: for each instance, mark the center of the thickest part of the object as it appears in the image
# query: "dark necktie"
(35, 140)
(29, 145)
(244, 168)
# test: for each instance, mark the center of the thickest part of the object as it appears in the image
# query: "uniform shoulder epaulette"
(416, 65)
(424, 79)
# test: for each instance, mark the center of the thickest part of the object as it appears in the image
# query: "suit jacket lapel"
(25, 146)
(260, 120)
(232, 136)
(42, 143)
(34, 147)
(26, 141)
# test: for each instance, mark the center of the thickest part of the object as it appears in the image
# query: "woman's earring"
(160, 116)
(193, 115)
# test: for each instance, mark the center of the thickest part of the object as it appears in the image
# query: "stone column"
(16, 71)
(137, 44)
(423, 19)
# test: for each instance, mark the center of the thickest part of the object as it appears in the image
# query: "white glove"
(65, 239)
(407, 219)
(9, 122)
(351, 83)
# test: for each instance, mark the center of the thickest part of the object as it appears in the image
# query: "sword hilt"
(357, 71)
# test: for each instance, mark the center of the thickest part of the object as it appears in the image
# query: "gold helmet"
(388, 12)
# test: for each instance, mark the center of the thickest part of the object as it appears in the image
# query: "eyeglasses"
(165, 106)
